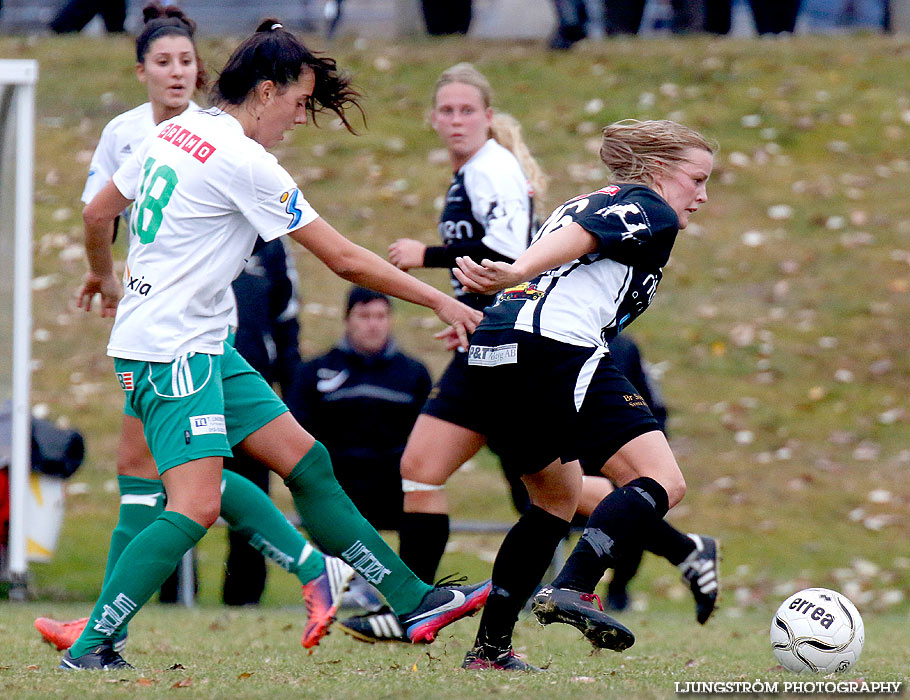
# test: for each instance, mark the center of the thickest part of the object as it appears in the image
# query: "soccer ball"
(817, 630)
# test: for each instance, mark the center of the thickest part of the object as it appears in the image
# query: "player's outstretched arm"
(561, 246)
(98, 218)
(363, 267)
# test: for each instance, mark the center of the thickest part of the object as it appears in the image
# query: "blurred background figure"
(572, 18)
(446, 16)
(775, 17)
(836, 16)
(74, 15)
(360, 399)
(624, 17)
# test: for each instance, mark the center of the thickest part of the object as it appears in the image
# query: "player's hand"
(406, 253)
(487, 277)
(108, 287)
(463, 320)
(449, 338)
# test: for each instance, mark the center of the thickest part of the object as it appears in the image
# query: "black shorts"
(448, 399)
(538, 400)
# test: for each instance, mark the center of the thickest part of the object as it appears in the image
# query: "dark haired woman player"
(204, 188)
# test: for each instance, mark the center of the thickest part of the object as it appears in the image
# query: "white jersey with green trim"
(203, 191)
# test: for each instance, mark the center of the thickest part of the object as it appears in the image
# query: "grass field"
(256, 653)
(780, 333)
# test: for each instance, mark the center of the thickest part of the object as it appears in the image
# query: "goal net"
(17, 120)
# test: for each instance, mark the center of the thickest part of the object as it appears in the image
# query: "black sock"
(423, 541)
(624, 571)
(521, 562)
(621, 522)
(670, 543)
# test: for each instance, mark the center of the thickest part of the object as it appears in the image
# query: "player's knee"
(208, 513)
(201, 507)
(675, 488)
(416, 469)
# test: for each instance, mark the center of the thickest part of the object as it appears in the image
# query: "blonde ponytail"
(506, 129)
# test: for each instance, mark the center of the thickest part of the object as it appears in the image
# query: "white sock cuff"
(409, 486)
(140, 499)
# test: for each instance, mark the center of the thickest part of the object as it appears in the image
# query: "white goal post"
(17, 149)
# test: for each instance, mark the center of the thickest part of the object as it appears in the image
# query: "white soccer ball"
(817, 630)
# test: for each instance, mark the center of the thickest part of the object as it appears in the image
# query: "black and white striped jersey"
(487, 214)
(589, 300)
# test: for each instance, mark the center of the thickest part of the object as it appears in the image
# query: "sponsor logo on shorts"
(212, 424)
(126, 380)
(635, 400)
(491, 356)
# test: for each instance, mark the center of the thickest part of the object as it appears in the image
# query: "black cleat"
(700, 571)
(101, 658)
(380, 626)
(578, 609)
(483, 657)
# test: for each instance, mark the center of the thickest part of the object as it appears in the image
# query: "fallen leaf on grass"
(176, 667)
(245, 674)
(185, 683)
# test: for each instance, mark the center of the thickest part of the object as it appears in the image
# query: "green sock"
(144, 565)
(249, 510)
(334, 522)
(141, 501)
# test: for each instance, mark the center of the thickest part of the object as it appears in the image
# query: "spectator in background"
(770, 17)
(620, 17)
(267, 337)
(447, 16)
(572, 16)
(74, 15)
(834, 16)
(361, 399)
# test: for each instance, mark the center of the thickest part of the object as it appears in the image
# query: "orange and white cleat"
(60, 634)
(321, 597)
(63, 634)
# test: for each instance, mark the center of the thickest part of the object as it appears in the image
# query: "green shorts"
(228, 343)
(198, 405)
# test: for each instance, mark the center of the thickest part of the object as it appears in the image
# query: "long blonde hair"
(642, 151)
(505, 128)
